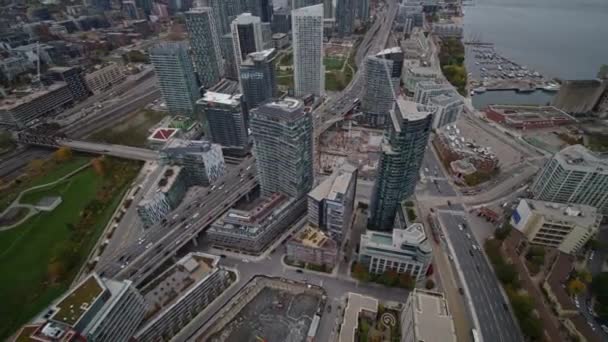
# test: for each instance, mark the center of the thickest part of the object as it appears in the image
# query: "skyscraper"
(295, 4)
(345, 17)
(402, 152)
(224, 12)
(260, 8)
(226, 116)
(246, 36)
(176, 77)
(257, 75)
(205, 42)
(362, 10)
(307, 41)
(227, 47)
(381, 74)
(328, 8)
(282, 136)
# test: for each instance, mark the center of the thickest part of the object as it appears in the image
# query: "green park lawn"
(27, 251)
(332, 63)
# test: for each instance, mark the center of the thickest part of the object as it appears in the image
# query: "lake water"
(567, 39)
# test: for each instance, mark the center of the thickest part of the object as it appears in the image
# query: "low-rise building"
(447, 29)
(177, 295)
(227, 117)
(331, 204)
(280, 40)
(403, 250)
(451, 146)
(426, 90)
(448, 109)
(565, 227)
(251, 231)
(357, 306)
(311, 245)
(163, 197)
(105, 76)
(413, 73)
(528, 117)
(161, 136)
(425, 317)
(74, 78)
(202, 161)
(23, 106)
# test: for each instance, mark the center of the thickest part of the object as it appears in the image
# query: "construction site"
(348, 142)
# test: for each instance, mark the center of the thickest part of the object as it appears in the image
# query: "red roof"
(163, 133)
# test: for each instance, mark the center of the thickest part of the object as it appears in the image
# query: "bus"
(475, 335)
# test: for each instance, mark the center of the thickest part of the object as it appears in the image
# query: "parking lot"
(505, 153)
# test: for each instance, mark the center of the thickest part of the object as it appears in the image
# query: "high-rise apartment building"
(227, 47)
(282, 135)
(307, 41)
(226, 117)
(224, 13)
(331, 204)
(246, 37)
(562, 226)
(260, 8)
(408, 131)
(425, 317)
(281, 20)
(345, 17)
(205, 42)
(362, 10)
(574, 175)
(328, 8)
(381, 73)
(176, 77)
(257, 74)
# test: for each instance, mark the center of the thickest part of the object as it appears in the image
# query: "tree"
(55, 272)
(62, 154)
(575, 286)
(389, 277)
(35, 166)
(361, 273)
(429, 284)
(503, 232)
(99, 166)
(585, 276)
(406, 281)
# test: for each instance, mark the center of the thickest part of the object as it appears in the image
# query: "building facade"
(104, 77)
(202, 162)
(362, 10)
(227, 118)
(402, 153)
(21, 108)
(257, 75)
(345, 17)
(382, 73)
(227, 48)
(307, 42)
(447, 109)
(176, 77)
(247, 37)
(163, 197)
(310, 245)
(424, 91)
(177, 295)
(426, 317)
(331, 204)
(224, 13)
(74, 78)
(205, 42)
(282, 135)
(574, 175)
(402, 250)
(565, 227)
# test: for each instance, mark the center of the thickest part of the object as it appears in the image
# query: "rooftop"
(531, 113)
(313, 237)
(356, 304)
(445, 99)
(409, 110)
(245, 19)
(22, 96)
(579, 157)
(560, 273)
(211, 97)
(259, 56)
(583, 215)
(334, 186)
(163, 134)
(78, 301)
(413, 235)
(254, 221)
(395, 49)
(432, 320)
(285, 109)
(314, 10)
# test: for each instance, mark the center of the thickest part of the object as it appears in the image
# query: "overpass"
(120, 151)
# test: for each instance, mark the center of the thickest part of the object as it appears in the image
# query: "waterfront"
(538, 97)
(559, 38)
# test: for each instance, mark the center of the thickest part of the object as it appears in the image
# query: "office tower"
(246, 37)
(574, 175)
(267, 42)
(425, 317)
(206, 51)
(345, 17)
(260, 8)
(281, 20)
(331, 204)
(227, 47)
(145, 5)
(328, 8)
(307, 41)
(224, 13)
(295, 4)
(362, 10)
(74, 78)
(381, 74)
(226, 116)
(447, 108)
(408, 130)
(176, 77)
(282, 136)
(257, 75)
(129, 9)
(562, 226)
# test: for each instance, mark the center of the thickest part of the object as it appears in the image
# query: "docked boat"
(551, 87)
(480, 90)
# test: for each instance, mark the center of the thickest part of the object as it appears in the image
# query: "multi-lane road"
(160, 242)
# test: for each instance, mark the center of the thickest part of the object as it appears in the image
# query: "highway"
(160, 242)
(481, 285)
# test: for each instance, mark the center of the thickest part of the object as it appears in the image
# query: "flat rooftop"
(356, 304)
(580, 214)
(313, 237)
(22, 96)
(531, 113)
(212, 97)
(286, 109)
(78, 301)
(254, 221)
(432, 320)
(580, 158)
(163, 134)
(334, 186)
(408, 110)
(413, 235)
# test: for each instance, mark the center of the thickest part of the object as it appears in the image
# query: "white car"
(460, 227)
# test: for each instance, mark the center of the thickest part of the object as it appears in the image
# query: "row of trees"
(451, 58)
(389, 277)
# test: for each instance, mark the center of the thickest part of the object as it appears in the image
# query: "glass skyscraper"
(307, 41)
(206, 51)
(257, 76)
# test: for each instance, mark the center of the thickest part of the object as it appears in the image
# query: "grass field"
(132, 132)
(51, 172)
(332, 63)
(27, 250)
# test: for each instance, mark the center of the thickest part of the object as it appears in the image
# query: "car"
(245, 260)
(222, 255)
(605, 328)
(475, 247)
(468, 236)
(591, 325)
(299, 271)
(460, 289)
(471, 252)
(460, 227)
(505, 306)
(591, 255)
